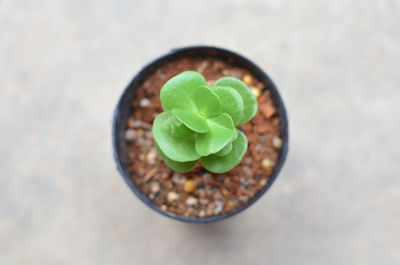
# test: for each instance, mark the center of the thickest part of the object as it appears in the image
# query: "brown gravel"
(213, 193)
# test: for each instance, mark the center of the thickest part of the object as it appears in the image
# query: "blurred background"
(64, 64)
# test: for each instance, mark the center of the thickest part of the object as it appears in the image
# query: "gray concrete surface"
(63, 65)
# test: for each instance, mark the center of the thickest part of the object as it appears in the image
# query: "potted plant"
(200, 134)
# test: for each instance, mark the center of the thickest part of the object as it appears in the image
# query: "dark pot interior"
(124, 110)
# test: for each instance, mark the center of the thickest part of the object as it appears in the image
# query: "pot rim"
(256, 71)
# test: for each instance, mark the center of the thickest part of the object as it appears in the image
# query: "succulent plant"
(199, 122)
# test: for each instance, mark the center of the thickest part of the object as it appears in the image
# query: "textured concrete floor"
(64, 63)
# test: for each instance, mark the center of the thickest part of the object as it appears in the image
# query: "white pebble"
(172, 196)
(176, 179)
(155, 187)
(130, 135)
(144, 102)
(219, 208)
(151, 156)
(191, 201)
(225, 72)
(202, 213)
(277, 142)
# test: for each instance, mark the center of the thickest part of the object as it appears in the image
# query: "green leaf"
(179, 91)
(235, 135)
(232, 102)
(223, 164)
(177, 149)
(207, 102)
(221, 132)
(192, 119)
(224, 151)
(249, 100)
(179, 130)
(177, 166)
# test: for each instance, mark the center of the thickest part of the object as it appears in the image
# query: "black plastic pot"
(124, 110)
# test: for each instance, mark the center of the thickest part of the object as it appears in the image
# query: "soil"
(200, 193)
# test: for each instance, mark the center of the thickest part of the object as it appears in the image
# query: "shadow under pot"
(198, 196)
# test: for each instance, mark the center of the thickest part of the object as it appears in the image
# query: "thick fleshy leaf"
(207, 102)
(223, 164)
(249, 100)
(224, 151)
(235, 135)
(179, 91)
(177, 149)
(192, 119)
(221, 132)
(177, 166)
(179, 130)
(232, 102)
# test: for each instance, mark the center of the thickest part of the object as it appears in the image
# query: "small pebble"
(201, 193)
(191, 201)
(230, 205)
(147, 142)
(256, 92)
(263, 182)
(243, 198)
(202, 67)
(219, 208)
(147, 84)
(248, 80)
(155, 187)
(189, 186)
(263, 138)
(163, 207)
(144, 102)
(140, 133)
(217, 196)
(244, 181)
(141, 141)
(203, 201)
(210, 212)
(202, 213)
(210, 82)
(277, 142)
(176, 179)
(149, 134)
(151, 156)
(248, 160)
(141, 124)
(137, 123)
(236, 73)
(225, 192)
(225, 72)
(258, 147)
(247, 171)
(151, 196)
(207, 176)
(172, 196)
(267, 163)
(130, 135)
